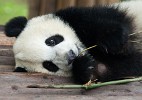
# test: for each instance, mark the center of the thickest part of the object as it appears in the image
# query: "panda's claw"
(88, 83)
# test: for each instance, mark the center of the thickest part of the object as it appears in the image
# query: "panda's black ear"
(14, 27)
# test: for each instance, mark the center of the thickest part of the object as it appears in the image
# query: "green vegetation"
(12, 8)
(89, 86)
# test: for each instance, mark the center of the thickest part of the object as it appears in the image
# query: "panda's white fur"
(134, 8)
(30, 45)
(30, 48)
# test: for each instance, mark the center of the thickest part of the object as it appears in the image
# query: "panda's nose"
(71, 56)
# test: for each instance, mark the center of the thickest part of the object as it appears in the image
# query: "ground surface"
(13, 86)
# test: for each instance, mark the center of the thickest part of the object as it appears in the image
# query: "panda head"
(44, 44)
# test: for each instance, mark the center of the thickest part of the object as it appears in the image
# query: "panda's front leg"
(83, 69)
(86, 68)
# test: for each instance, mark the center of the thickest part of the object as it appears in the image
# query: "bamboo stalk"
(87, 87)
(114, 82)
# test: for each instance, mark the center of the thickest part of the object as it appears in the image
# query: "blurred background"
(32, 8)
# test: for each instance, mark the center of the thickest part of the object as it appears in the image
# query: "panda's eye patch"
(54, 40)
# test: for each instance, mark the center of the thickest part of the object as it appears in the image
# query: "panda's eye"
(52, 43)
(54, 40)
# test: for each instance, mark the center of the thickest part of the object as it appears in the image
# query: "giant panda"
(56, 43)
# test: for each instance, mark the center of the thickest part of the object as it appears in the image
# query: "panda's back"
(134, 9)
(89, 23)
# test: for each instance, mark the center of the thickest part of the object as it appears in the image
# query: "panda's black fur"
(115, 56)
(15, 26)
(109, 29)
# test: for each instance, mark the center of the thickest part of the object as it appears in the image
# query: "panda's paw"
(83, 68)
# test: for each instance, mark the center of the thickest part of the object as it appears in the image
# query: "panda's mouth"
(71, 56)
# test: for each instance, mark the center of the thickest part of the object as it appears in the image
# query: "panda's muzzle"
(71, 56)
